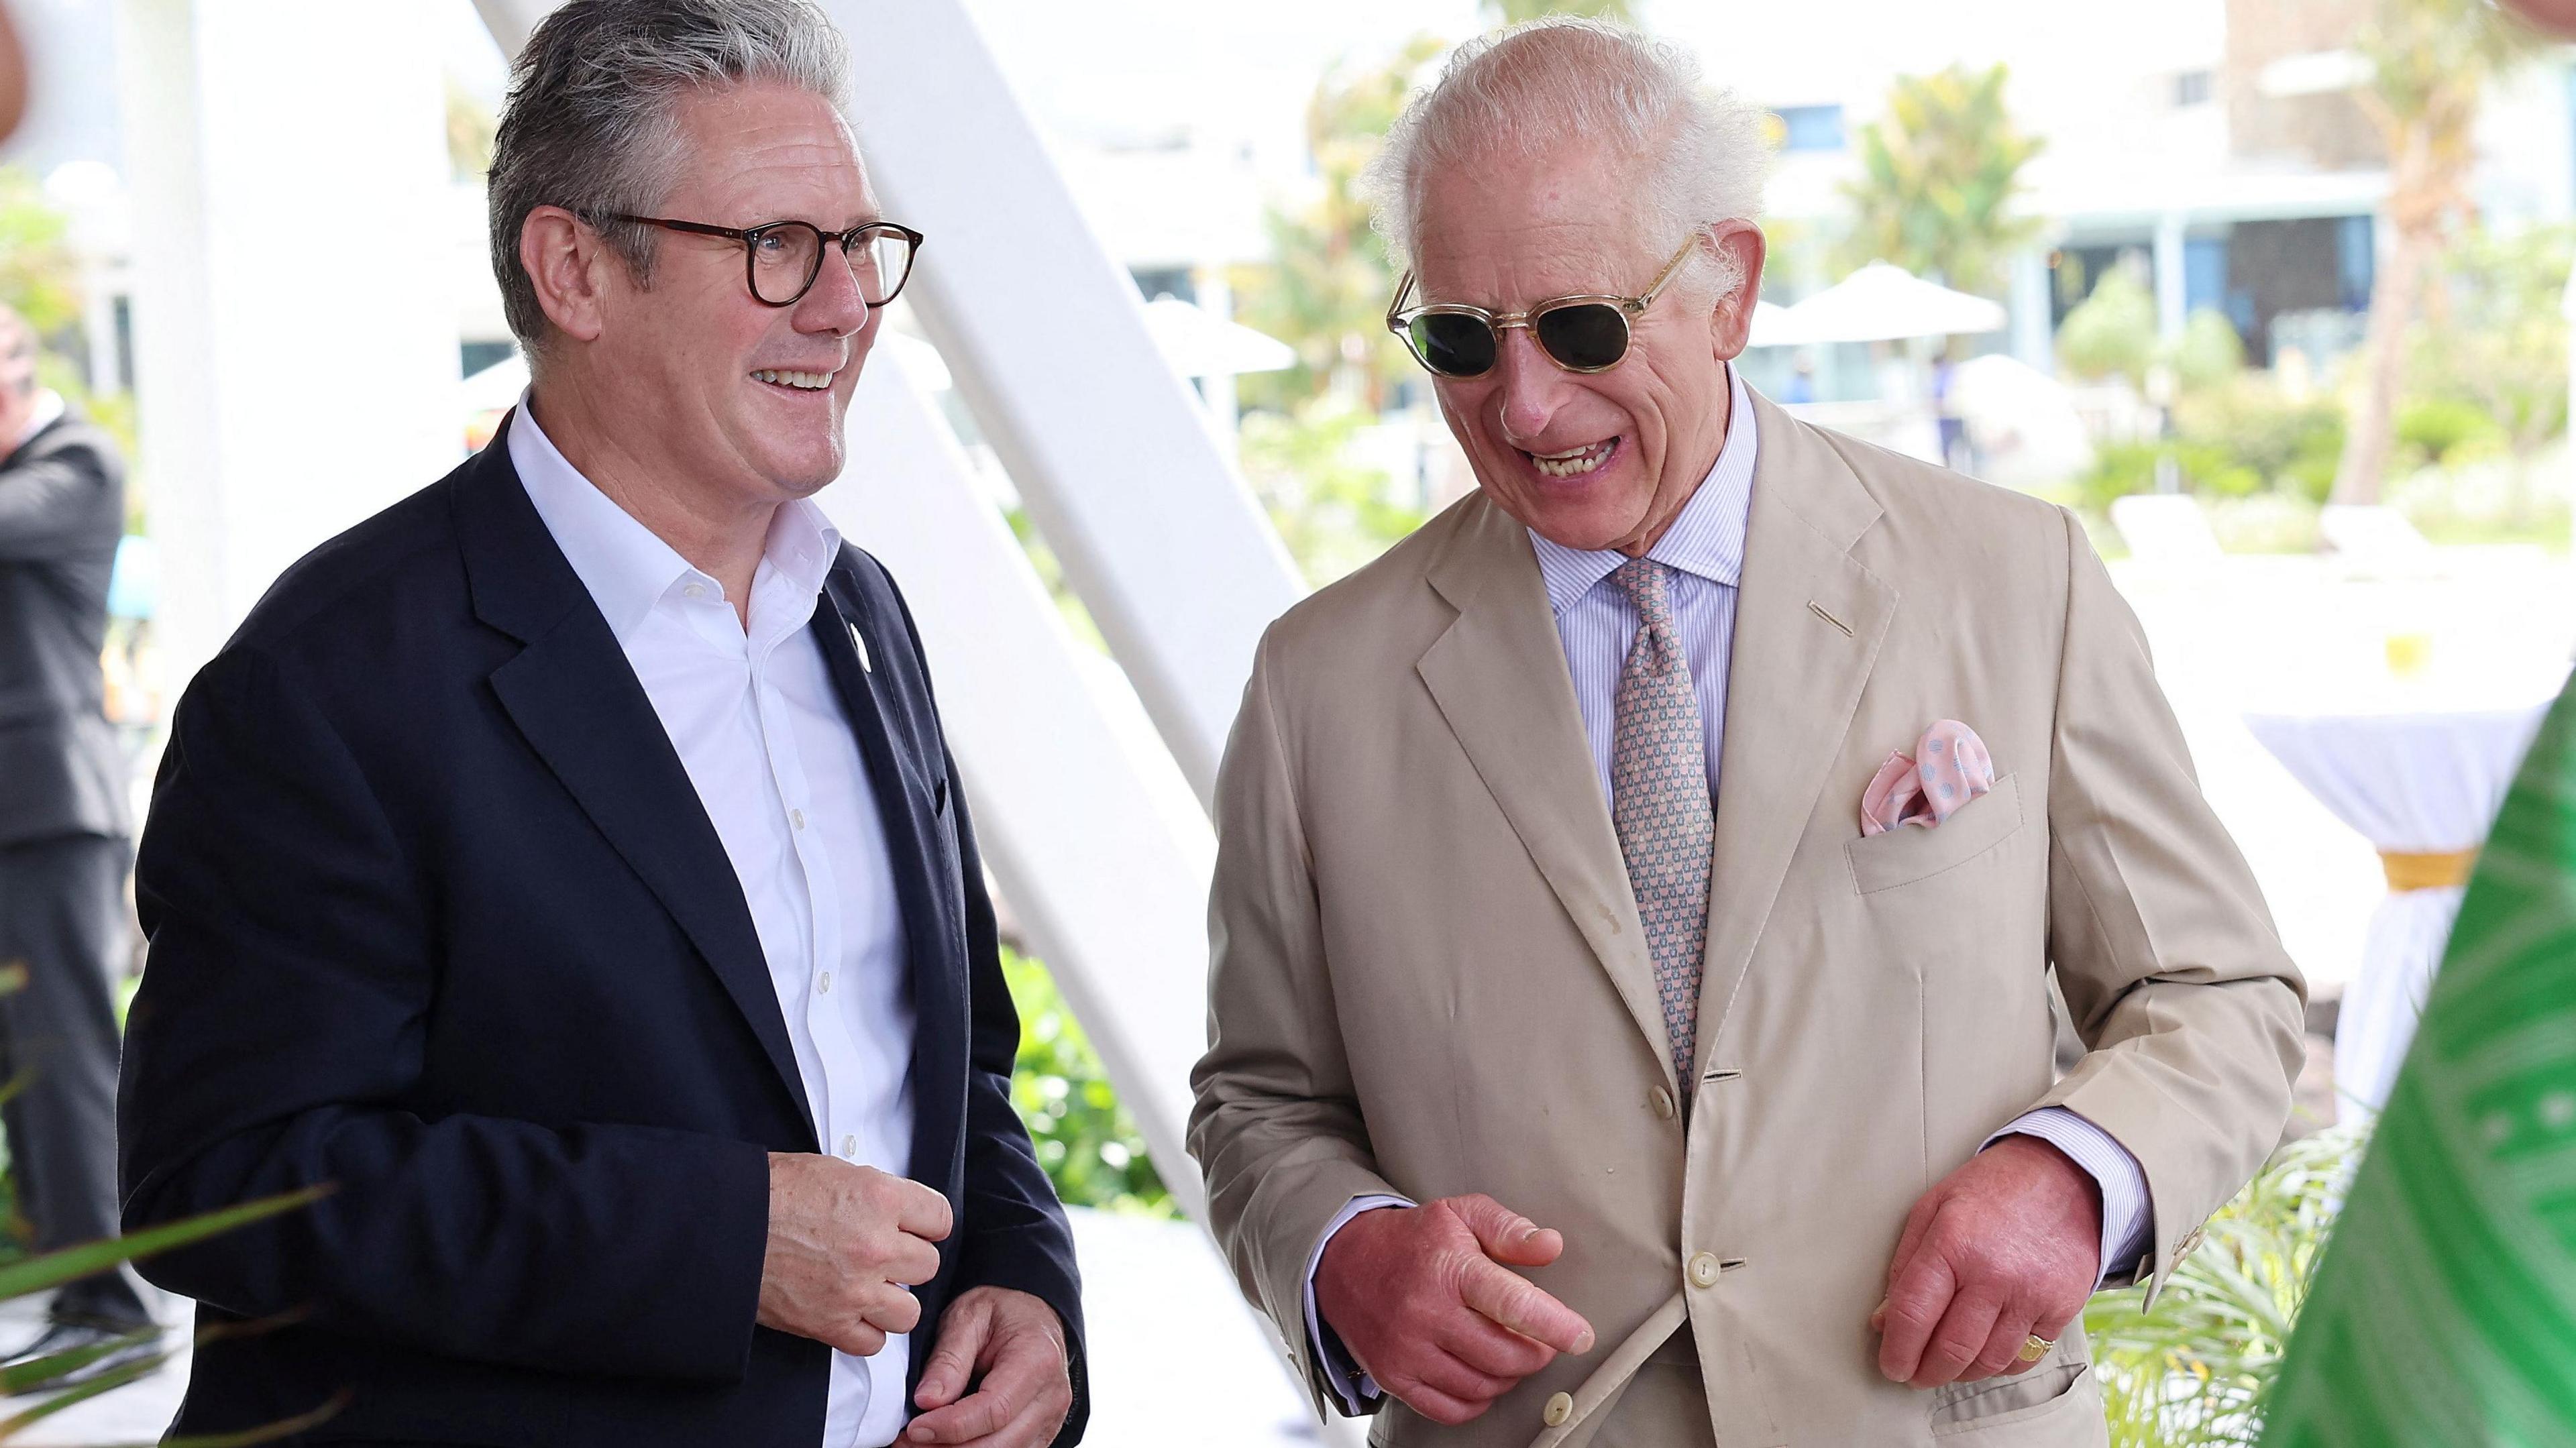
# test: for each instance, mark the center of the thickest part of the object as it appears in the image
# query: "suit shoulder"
(1937, 520)
(399, 560)
(1388, 600)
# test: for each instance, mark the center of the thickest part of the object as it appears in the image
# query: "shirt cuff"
(1354, 1389)
(2128, 1217)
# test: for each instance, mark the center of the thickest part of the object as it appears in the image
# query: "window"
(2191, 88)
(1811, 128)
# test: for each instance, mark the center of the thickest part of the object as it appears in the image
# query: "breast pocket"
(1909, 853)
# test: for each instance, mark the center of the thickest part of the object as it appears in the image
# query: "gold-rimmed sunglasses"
(1583, 333)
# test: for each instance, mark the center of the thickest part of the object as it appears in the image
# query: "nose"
(833, 304)
(1531, 387)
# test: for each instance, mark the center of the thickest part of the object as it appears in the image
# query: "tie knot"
(1649, 585)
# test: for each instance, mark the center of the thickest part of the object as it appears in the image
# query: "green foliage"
(1939, 176)
(2111, 333)
(2289, 443)
(2446, 429)
(1087, 1142)
(1334, 512)
(39, 276)
(2209, 354)
(1512, 12)
(2494, 339)
(2193, 1370)
(1326, 289)
(471, 128)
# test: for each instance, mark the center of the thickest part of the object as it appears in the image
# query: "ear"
(1730, 321)
(570, 265)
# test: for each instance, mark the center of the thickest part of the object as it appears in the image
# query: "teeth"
(803, 381)
(1576, 463)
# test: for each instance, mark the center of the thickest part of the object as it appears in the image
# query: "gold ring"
(2035, 1347)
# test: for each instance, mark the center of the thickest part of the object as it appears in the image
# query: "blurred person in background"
(566, 865)
(64, 835)
(1637, 892)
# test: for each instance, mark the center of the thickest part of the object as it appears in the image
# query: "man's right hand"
(1423, 1297)
(847, 1244)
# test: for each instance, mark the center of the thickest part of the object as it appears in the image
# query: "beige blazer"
(1429, 977)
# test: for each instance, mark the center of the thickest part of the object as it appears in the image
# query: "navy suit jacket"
(436, 917)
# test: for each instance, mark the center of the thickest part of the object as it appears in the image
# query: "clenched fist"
(847, 1244)
(1425, 1299)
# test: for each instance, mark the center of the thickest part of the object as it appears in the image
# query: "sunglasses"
(1586, 333)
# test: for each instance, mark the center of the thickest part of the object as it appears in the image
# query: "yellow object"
(2409, 653)
(2435, 871)
(2035, 1347)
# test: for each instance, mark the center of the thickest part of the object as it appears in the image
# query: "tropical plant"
(1085, 1140)
(1333, 511)
(2430, 63)
(2194, 1369)
(1940, 175)
(1325, 292)
(2111, 333)
(2494, 337)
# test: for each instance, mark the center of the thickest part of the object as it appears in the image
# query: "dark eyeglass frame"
(1400, 318)
(750, 237)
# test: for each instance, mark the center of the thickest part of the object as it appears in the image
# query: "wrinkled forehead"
(1506, 228)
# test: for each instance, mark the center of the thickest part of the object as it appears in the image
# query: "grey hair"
(1527, 88)
(591, 123)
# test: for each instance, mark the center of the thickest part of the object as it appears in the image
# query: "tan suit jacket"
(1429, 976)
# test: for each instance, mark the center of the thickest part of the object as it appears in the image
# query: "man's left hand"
(1010, 1347)
(2007, 1247)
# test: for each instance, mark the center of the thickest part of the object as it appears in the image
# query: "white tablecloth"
(2420, 782)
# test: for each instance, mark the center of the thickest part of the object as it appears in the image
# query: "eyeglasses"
(781, 259)
(1584, 333)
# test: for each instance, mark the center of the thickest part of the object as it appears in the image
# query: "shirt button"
(825, 983)
(796, 817)
(1704, 1270)
(849, 1146)
(1559, 1408)
(695, 591)
(1662, 1101)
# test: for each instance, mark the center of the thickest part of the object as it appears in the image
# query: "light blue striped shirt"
(1597, 623)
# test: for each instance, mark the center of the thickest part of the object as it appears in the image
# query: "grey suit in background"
(64, 829)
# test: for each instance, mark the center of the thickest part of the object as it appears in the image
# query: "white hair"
(1700, 154)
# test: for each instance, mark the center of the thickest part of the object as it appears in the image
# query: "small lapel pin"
(861, 644)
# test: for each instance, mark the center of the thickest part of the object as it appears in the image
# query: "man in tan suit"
(1579, 1072)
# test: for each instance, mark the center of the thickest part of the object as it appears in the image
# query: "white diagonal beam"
(1109, 450)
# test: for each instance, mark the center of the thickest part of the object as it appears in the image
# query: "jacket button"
(1662, 1101)
(1704, 1270)
(1559, 1408)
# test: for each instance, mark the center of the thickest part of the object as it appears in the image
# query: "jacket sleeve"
(1276, 1125)
(58, 502)
(2174, 974)
(280, 1027)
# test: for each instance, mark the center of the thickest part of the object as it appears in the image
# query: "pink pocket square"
(1950, 767)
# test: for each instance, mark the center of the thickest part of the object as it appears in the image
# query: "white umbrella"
(1884, 303)
(1769, 319)
(1198, 343)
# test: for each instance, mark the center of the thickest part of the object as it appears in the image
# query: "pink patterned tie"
(1659, 802)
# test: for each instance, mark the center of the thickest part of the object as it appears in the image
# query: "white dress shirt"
(762, 733)
(1596, 624)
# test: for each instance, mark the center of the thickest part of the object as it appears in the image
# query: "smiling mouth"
(1574, 464)
(795, 381)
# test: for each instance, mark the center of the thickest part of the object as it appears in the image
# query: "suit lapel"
(858, 655)
(1499, 677)
(575, 698)
(1808, 622)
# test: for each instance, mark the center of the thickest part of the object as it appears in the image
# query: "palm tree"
(2431, 62)
(1939, 176)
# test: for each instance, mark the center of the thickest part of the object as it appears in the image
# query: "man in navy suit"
(566, 864)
